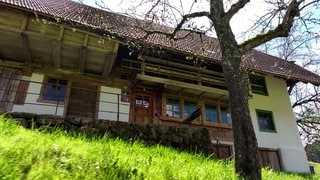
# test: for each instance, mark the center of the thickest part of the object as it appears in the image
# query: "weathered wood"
(83, 54)
(9, 80)
(181, 66)
(56, 49)
(25, 40)
(11, 64)
(270, 158)
(82, 100)
(26, 47)
(175, 72)
(108, 64)
(181, 84)
(21, 93)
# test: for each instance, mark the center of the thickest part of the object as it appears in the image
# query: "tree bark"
(247, 161)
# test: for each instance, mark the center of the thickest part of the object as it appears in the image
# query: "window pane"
(63, 82)
(55, 90)
(258, 84)
(189, 108)
(265, 120)
(173, 107)
(211, 113)
(146, 102)
(225, 115)
(139, 101)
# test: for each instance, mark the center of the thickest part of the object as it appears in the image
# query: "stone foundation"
(183, 138)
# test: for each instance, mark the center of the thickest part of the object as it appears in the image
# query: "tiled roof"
(123, 27)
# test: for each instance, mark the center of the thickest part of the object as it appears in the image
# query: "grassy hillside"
(36, 154)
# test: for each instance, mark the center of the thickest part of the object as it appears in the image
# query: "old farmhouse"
(63, 58)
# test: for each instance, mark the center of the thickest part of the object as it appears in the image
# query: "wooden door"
(82, 100)
(9, 81)
(143, 107)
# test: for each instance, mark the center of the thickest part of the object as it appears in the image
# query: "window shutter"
(22, 91)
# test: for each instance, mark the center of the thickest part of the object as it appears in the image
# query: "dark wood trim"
(83, 54)
(97, 107)
(109, 64)
(56, 49)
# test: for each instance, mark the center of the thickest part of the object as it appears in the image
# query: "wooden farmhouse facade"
(63, 58)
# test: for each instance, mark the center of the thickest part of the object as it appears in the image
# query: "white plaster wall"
(108, 105)
(286, 137)
(31, 104)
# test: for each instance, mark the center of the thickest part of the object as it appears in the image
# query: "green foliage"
(37, 154)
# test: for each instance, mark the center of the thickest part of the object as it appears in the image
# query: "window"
(125, 96)
(265, 121)
(218, 113)
(173, 107)
(55, 89)
(142, 101)
(189, 107)
(211, 113)
(225, 115)
(258, 84)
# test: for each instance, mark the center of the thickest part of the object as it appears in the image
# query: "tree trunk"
(247, 161)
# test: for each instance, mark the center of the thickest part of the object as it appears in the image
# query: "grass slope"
(36, 154)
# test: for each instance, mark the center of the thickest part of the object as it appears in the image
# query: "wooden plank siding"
(21, 93)
(9, 81)
(222, 151)
(83, 100)
(270, 158)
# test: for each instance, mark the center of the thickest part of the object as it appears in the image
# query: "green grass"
(36, 154)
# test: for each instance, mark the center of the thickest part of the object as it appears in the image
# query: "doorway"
(143, 107)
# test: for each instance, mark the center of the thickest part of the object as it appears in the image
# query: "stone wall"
(183, 138)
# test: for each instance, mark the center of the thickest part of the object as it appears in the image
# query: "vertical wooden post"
(118, 107)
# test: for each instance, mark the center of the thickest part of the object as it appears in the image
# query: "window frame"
(262, 129)
(172, 109)
(218, 111)
(184, 107)
(44, 89)
(201, 102)
(264, 84)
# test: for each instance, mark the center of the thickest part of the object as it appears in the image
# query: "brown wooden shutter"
(21, 93)
(9, 80)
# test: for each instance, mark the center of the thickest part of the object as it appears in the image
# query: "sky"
(240, 23)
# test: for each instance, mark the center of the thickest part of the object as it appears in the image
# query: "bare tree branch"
(282, 30)
(235, 8)
(187, 17)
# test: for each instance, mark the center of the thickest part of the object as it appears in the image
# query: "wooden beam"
(83, 54)
(180, 65)
(73, 74)
(109, 64)
(56, 49)
(25, 40)
(182, 84)
(11, 64)
(180, 90)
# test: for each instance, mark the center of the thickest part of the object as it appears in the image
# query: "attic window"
(258, 84)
